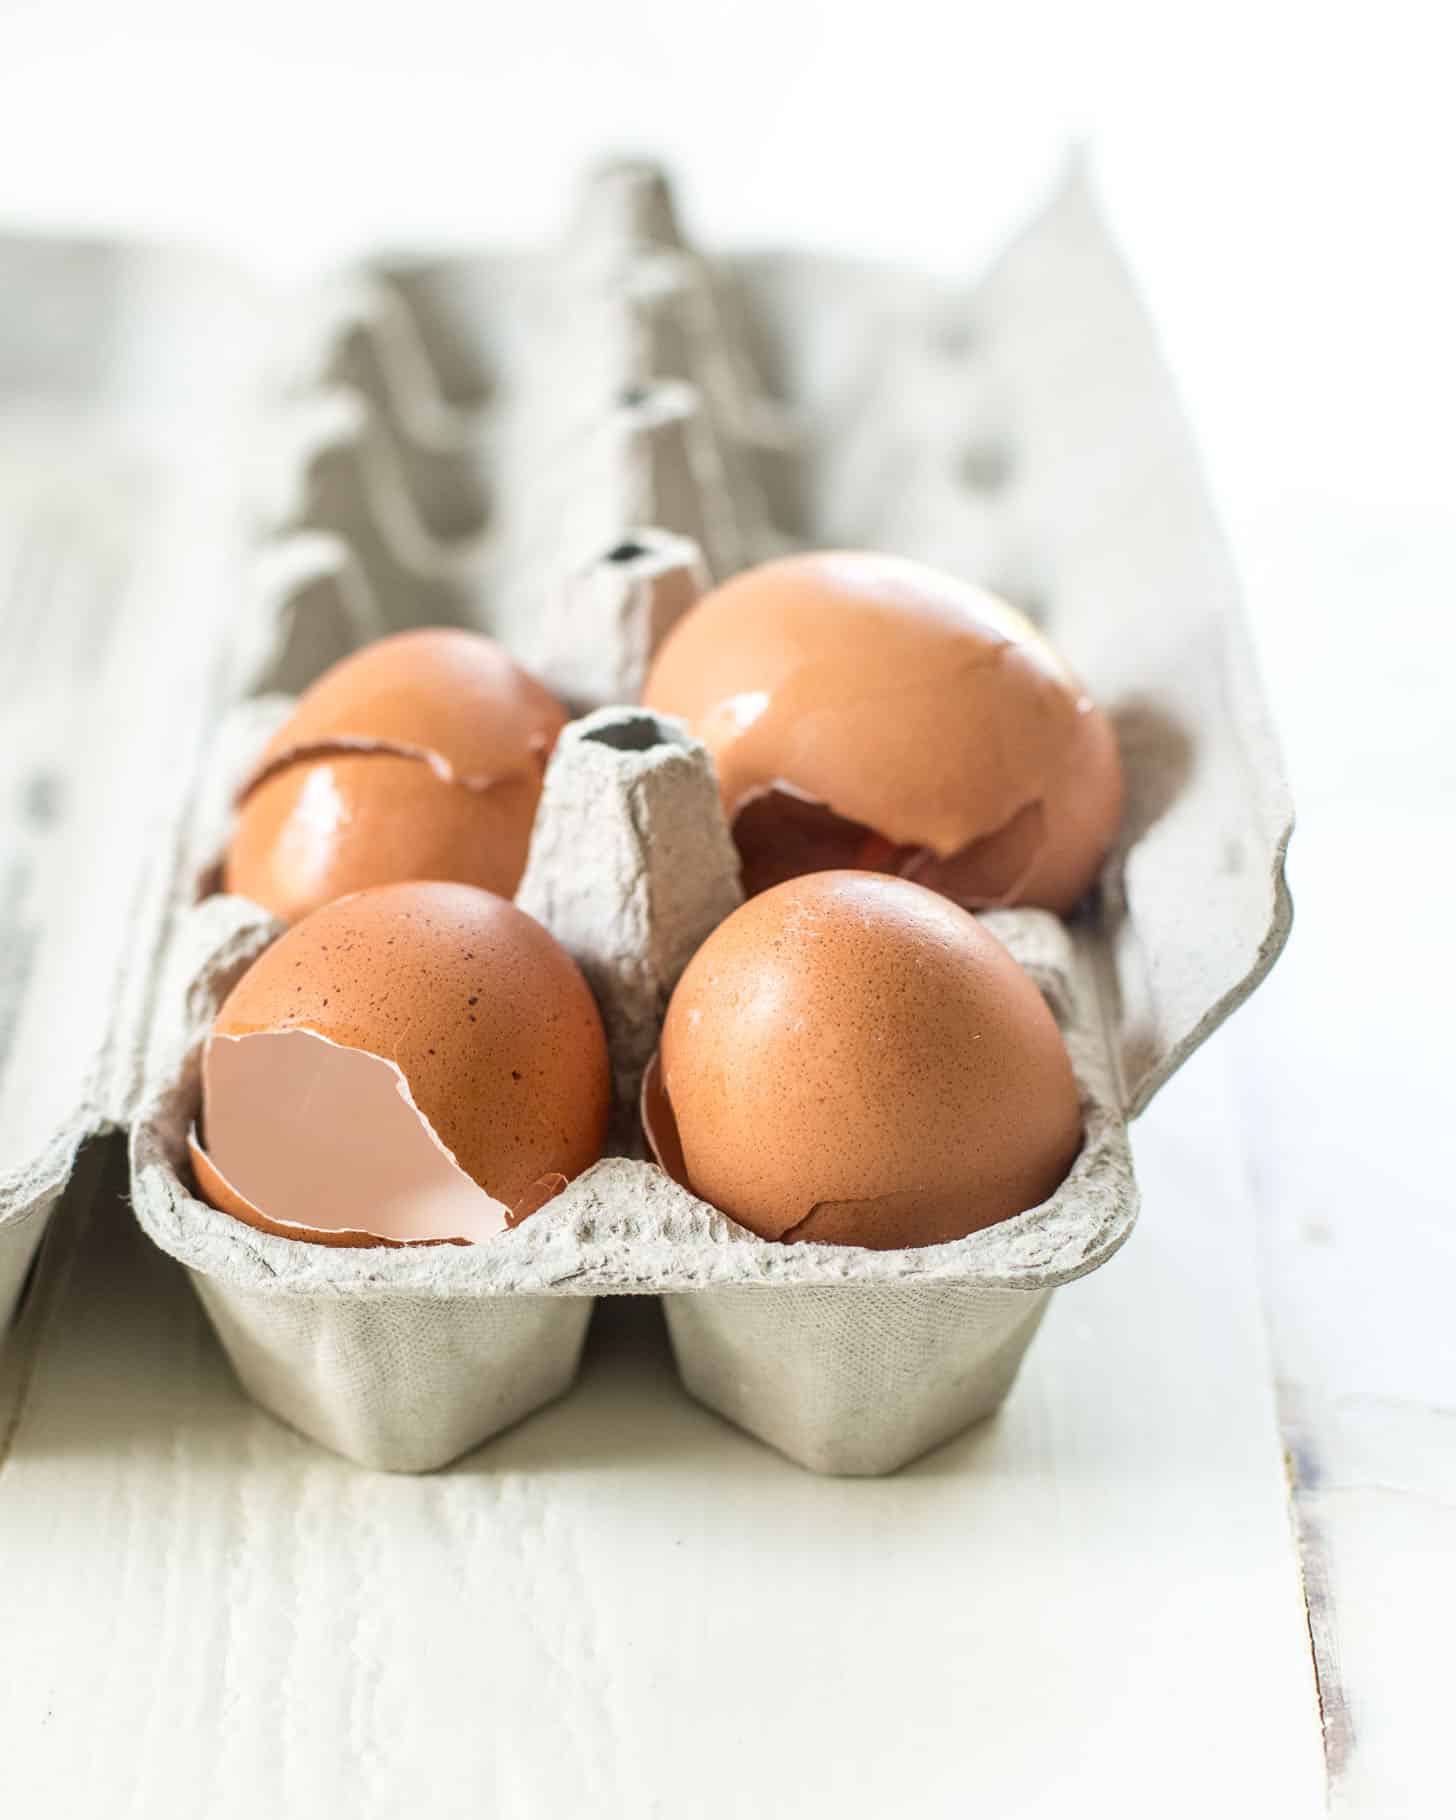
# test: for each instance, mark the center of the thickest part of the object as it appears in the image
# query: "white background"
(1280, 177)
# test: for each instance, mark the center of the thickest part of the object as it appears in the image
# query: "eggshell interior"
(869, 711)
(214, 1188)
(311, 1134)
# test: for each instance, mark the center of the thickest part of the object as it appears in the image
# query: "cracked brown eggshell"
(870, 711)
(419, 757)
(415, 1063)
(854, 1059)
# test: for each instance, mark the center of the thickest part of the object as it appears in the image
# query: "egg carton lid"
(996, 427)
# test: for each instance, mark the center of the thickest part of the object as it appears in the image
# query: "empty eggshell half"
(869, 711)
(853, 1059)
(414, 1064)
(419, 757)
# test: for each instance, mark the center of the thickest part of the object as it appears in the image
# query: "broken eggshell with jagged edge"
(871, 712)
(419, 757)
(425, 1052)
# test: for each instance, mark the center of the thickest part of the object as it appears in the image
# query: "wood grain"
(625, 1607)
(1346, 1106)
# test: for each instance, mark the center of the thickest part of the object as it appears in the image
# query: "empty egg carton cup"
(563, 450)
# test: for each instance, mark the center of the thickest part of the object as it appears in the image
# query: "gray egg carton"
(563, 449)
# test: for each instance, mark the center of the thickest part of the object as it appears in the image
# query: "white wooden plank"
(1348, 1107)
(626, 1608)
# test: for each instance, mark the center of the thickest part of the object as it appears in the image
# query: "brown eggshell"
(869, 711)
(440, 691)
(419, 1002)
(419, 757)
(853, 1059)
(316, 830)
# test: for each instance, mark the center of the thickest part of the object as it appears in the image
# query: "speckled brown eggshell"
(853, 1059)
(486, 1016)
(438, 690)
(869, 711)
(419, 757)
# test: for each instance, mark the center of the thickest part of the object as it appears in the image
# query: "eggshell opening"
(781, 834)
(307, 1134)
(870, 713)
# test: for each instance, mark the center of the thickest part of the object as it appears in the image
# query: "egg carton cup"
(563, 449)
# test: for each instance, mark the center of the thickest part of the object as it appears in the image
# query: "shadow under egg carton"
(637, 421)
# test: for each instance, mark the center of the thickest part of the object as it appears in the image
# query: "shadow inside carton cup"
(1158, 756)
(1157, 761)
(445, 303)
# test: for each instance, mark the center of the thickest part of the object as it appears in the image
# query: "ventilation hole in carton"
(633, 397)
(634, 733)
(987, 464)
(629, 550)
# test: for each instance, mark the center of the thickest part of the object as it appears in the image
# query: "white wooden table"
(1107, 1597)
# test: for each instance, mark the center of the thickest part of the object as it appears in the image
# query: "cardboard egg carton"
(564, 449)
